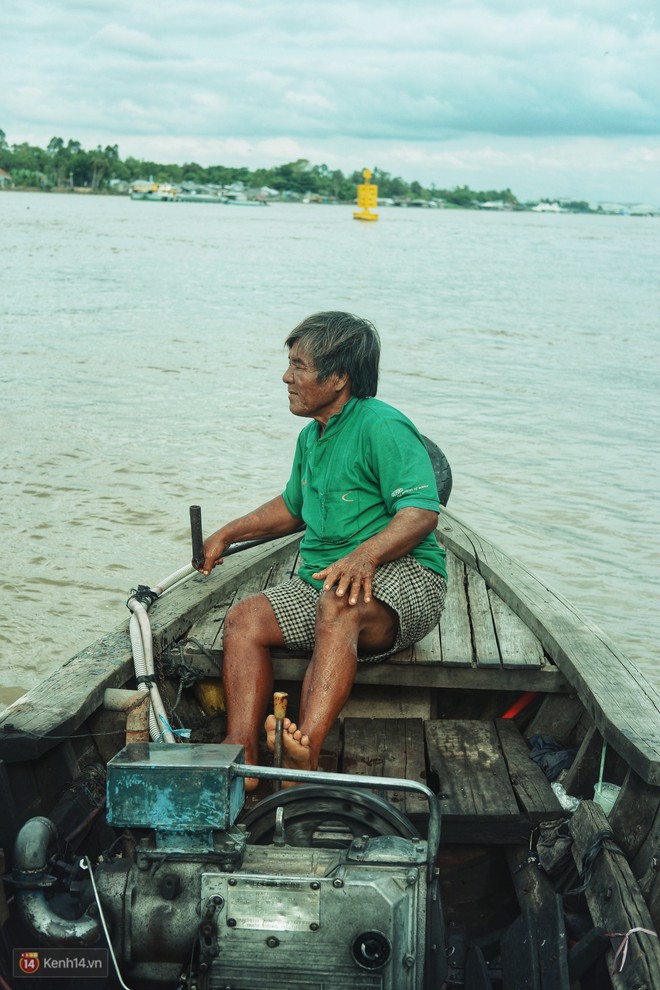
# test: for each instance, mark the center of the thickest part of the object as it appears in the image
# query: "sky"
(549, 100)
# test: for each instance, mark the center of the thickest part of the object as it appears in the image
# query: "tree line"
(68, 165)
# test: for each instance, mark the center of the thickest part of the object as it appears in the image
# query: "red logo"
(29, 963)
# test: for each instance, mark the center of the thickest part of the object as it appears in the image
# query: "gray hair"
(341, 343)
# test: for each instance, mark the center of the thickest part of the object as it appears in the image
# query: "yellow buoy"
(367, 197)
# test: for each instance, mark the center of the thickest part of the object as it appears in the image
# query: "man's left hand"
(350, 574)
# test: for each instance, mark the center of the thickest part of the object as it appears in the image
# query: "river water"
(141, 354)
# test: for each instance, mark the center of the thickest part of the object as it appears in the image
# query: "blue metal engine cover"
(175, 788)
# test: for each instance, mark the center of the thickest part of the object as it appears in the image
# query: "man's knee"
(252, 620)
(374, 625)
(331, 610)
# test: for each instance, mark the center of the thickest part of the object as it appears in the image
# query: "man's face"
(308, 396)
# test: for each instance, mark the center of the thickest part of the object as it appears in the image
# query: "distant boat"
(164, 193)
(158, 192)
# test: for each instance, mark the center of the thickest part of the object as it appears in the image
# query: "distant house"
(547, 208)
(5, 178)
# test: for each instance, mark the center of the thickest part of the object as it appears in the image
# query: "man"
(372, 578)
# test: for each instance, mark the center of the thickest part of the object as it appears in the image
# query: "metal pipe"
(30, 866)
(279, 710)
(353, 780)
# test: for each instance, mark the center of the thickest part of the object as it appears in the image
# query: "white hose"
(143, 655)
(169, 582)
(156, 708)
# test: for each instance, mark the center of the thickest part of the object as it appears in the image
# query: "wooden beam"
(635, 820)
(557, 716)
(615, 901)
(535, 948)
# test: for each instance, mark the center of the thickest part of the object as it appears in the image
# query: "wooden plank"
(649, 884)
(518, 644)
(615, 901)
(428, 649)
(284, 570)
(617, 696)
(291, 667)
(646, 863)
(531, 787)
(405, 656)
(383, 747)
(208, 629)
(477, 801)
(379, 701)
(437, 676)
(486, 649)
(535, 948)
(633, 817)
(557, 716)
(455, 631)
(583, 773)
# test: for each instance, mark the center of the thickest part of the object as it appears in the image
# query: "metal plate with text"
(284, 904)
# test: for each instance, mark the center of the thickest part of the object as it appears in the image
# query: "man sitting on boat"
(372, 578)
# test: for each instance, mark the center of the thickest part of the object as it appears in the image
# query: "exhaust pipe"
(29, 874)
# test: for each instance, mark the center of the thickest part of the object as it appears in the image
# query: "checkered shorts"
(416, 593)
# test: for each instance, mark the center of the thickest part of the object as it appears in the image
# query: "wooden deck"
(490, 791)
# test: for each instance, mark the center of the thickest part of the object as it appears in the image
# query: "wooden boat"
(431, 851)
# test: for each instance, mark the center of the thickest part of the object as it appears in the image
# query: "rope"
(600, 838)
(183, 733)
(181, 669)
(142, 594)
(623, 947)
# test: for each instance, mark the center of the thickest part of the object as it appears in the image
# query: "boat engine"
(316, 887)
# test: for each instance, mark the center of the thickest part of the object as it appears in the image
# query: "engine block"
(321, 918)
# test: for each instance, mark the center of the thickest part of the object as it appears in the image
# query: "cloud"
(412, 75)
(118, 38)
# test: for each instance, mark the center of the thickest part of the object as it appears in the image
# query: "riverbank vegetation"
(67, 165)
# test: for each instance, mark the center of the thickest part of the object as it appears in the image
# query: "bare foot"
(269, 726)
(249, 783)
(297, 754)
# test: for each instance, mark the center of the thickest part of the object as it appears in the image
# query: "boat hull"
(453, 716)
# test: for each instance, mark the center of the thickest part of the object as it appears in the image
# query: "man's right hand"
(214, 547)
(272, 519)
